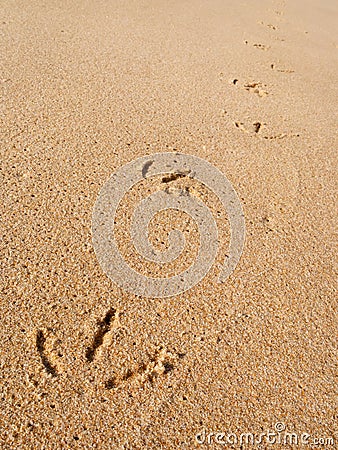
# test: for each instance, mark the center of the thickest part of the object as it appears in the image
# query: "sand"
(87, 87)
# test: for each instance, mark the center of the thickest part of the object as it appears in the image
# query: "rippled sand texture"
(87, 87)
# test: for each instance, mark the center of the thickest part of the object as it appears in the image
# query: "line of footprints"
(162, 361)
(260, 89)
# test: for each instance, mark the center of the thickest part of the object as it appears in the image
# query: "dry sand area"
(88, 86)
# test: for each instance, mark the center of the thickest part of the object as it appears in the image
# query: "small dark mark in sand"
(40, 345)
(110, 384)
(175, 176)
(103, 328)
(257, 126)
(168, 367)
(146, 168)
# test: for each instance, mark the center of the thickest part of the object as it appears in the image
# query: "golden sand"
(87, 87)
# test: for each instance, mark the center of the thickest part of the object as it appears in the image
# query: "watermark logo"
(174, 165)
(279, 435)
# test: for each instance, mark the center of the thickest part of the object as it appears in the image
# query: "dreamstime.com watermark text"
(277, 436)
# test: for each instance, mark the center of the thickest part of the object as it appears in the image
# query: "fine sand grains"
(87, 87)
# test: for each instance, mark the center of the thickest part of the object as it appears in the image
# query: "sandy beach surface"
(87, 87)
